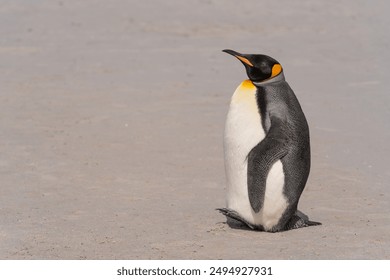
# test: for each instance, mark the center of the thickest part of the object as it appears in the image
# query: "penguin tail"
(312, 223)
(298, 222)
(305, 218)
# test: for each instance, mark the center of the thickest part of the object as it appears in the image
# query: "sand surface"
(112, 116)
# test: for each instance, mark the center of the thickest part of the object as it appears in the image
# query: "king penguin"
(266, 149)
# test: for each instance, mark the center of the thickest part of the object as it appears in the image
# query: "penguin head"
(259, 67)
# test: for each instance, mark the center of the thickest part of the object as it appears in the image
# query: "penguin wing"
(260, 160)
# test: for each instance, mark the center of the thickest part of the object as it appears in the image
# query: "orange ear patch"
(245, 60)
(276, 69)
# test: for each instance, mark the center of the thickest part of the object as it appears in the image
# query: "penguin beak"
(239, 56)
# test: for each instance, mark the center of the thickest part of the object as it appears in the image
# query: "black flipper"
(260, 160)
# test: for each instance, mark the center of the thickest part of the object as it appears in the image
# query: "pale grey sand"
(112, 116)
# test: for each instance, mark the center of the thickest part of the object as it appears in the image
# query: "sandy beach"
(112, 119)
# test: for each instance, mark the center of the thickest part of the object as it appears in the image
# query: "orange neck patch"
(247, 84)
(245, 95)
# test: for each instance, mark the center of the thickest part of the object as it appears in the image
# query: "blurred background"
(112, 117)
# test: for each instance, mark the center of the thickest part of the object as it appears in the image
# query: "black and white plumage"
(267, 149)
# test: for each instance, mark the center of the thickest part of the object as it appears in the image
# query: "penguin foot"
(235, 216)
(298, 220)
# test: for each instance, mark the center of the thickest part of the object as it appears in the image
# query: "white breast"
(243, 131)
